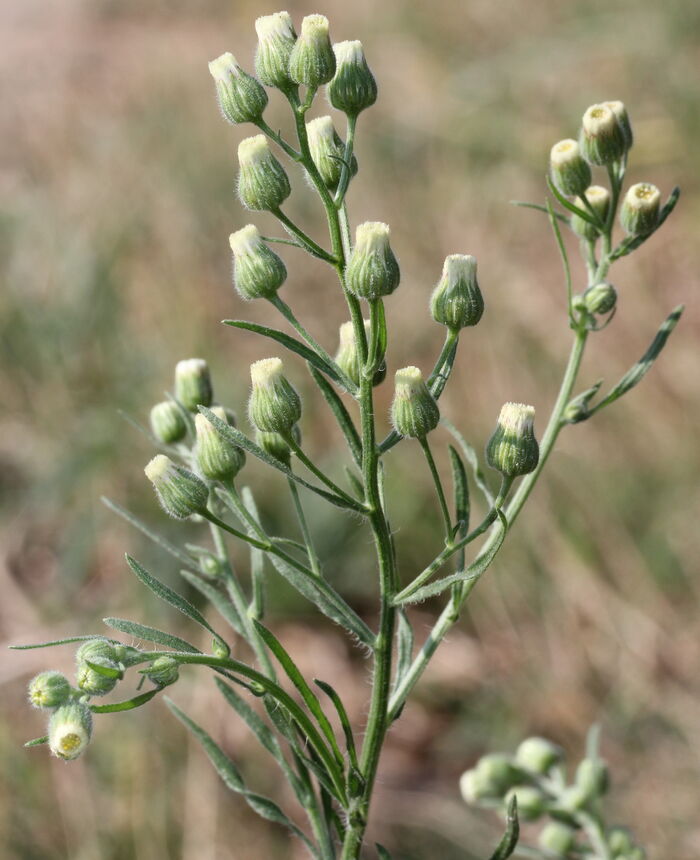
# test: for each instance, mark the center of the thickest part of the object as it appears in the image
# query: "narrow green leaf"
(539, 208)
(233, 780)
(471, 457)
(631, 243)
(146, 530)
(150, 634)
(404, 646)
(344, 720)
(165, 593)
(65, 641)
(341, 414)
(579, 407)
(105, 671)
(233, 435)
(461, 491)
(37, 741)
(290, 343)
(639, 370)
(474, 571)
(223, 605)
(257, 559)
(128, 705)
(567, 204)
(307, 694)
(382, 853)
(355, 481)
(509, 842)
(326, 598)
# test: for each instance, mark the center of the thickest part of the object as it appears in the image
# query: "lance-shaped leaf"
(224, 606)
(174, 599)
(461, 491)
(344, 720)
(471, 457)
(257, 560)
(53, 642)
(508, 843)
(162, 542)
(342, 415)
(150, 634)
(127, 705)
(639, 370)
(567, 204)
(326, 598)
(290, 343)
(233, 780)
(540, 208)
(473, 572)
(37, 741)
(307, 694)
(105, 671)
(233, 435)
(382, 853)
(404, 647)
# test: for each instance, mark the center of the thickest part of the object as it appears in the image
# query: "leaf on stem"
(65, 641)
(105, 671)
(382, 853)
(257, 559)
(342, 415)
(471, 457)
(224, 606)
(404, 647)
(508, 843)
(567, 204)
(540, 208)
(150, 634)
(631, 243)
(37, 741)
(344, 720)
(233, 780)
(461, 491)
(128, 705)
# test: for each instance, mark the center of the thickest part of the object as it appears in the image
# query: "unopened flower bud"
(512, 449)
(353, 88)
(274, 445)
(602, 139)
(456, 301)
(570, 172)
(372, 269)
(557, 838)
(414, 412)
(163, 671)
(168, 423)
(473, 788)
(620, 111)
(127, 655)
(262, 181)
(592, 777)
(348, 356)
(49, 690)
(274, 405)
(538, 755)
(70, 728)
(312, 61)
(601, 298)
(193, 383)
(599, 198)
(531, 801)
(94, 683)
(242, 98)
(95, 649)
(257, 271)
(327, 150)
(276, 38)
(180, 492)
(620, 841)
(497, 772)
(639, 213)
(217, 458)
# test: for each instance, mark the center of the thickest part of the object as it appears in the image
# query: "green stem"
(279, 140)
(451, 612)
(303, 525)
(289, 439)
(447, 520)
(339, 199)
(311, 246)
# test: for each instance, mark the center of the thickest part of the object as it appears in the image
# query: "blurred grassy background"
(117, 173)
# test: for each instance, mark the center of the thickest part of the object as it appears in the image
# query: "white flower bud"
(456, 301)
(262, 181)
(193, 386)
(353, 88)
(414, 412)
(570, 173)
(274, 405)
(372, 270)
(70, 728)
(168, 423)
(276, 38)
(602, 139)
(180, 492)
(217, 458)
(312, 61)
(599, 198)
(639, 213)
(257, 271)
(242, 98)
(327, 149)
(512, 449)
(49, 690)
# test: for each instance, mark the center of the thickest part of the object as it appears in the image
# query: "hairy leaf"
(150, 634)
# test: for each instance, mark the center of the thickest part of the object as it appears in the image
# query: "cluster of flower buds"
(512, 449)
(535, 775)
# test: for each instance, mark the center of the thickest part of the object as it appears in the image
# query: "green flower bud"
(312, 61)
(94, 683)
(242, 98)
(623, 119)
(348, 358)
(353, 88)
(193, 383)
(570, 172)
(592, 778)
(326, 149)
(496, 772)
(557, 838)
(95, 649)
(49, 690)
(602, 139)
(274, 405)
(600, 299)
(274, 445)
(573, 799)
(180, 492)
(126, 655)
(257, 271)
(372, 269)
(512, 449)
(217, 458)
(168, 423)
(163, 671)
(473, 787)
(639, 213)
(456, 301)
(599, 198)
(531, 802)
(414, 412)
(538, 755)
(276, 38)
(620, 841)
(70, 728)
(262, 182)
